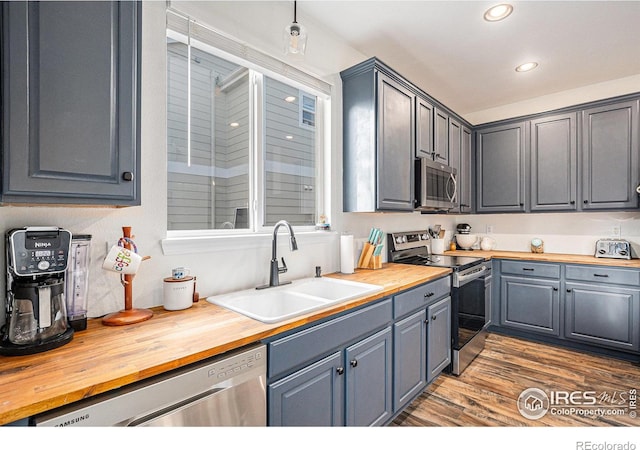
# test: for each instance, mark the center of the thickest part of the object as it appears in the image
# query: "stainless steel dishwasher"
(228, 390)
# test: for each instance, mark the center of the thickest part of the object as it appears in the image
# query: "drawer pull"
(340, 370)
(568, 290)
(601, 275)
(555, 288)
(429, 294)
(354, 363)
(528, 269)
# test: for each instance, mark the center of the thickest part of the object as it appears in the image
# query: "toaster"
(613, 248)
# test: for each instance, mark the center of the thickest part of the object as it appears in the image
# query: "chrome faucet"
(275, 270)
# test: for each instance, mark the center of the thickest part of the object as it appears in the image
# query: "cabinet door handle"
(353, 362)
(426, 321)
(568, 290)
(528, 269)
(127, 176)
(573, 202)
(555, 289)
(585, 201)
(433, 317)
(601, 275)
(340, 370)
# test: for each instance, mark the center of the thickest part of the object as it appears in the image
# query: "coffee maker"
(36, 317)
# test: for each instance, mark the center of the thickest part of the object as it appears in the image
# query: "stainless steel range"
(469, 315)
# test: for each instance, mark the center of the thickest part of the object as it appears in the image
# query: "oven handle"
(462, 279)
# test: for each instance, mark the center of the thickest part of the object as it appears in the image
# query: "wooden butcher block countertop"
(103, 358)
(549, 257)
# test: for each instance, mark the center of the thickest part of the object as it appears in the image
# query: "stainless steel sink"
(300, 297)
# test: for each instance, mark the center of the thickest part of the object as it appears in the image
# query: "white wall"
(260, 24)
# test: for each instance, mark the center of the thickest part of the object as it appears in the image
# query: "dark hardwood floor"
(486, 393)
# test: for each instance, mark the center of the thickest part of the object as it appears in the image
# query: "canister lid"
(178, 280)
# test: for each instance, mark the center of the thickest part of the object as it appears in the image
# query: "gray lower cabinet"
(369, 380)
(351, 387)
(338, 372)
(501, 153)
(410, 353)
(438, 338)
(313, 396)
(603, 315)
(597, 306)
(421, 338)
(70, 102)
(610, 156)
(554, 163)
(602, 306)
(530, 304)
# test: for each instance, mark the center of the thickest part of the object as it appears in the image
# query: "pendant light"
(295, 36)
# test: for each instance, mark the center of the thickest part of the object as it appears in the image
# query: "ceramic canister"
(178, 293)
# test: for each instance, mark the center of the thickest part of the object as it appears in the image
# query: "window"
(245, 144)
(307, 111)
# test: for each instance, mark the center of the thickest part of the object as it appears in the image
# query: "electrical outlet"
(489, 229)
(616, 231)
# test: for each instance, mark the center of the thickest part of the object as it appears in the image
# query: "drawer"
(601, 274)
(531, 269)
(421, 296)
(292, 351)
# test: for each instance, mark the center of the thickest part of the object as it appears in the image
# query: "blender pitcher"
(78, 281)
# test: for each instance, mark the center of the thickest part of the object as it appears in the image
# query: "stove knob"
(43, 265)
(425, 237)
(404, 239)
(399, 240)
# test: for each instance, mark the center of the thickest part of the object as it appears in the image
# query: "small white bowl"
(466, 241)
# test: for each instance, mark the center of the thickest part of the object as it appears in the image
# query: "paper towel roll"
(347, 257)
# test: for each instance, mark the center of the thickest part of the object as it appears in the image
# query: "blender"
(77, 282)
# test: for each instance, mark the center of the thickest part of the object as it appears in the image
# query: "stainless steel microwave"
(437, 187)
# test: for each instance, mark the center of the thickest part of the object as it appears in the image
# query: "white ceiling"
(447, 49)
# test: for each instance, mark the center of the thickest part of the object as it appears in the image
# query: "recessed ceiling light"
(234, 124)
(288, 136)
(526, 67)
(498, 12)
(290, 99)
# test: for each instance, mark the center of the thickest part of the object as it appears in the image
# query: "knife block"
(367, 260)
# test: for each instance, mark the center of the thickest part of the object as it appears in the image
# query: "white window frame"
(184, 241)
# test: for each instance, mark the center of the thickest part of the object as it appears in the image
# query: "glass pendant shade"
(295, 39)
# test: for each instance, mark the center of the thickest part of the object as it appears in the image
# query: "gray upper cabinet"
(379, 140)
(500, 165)
(610, 156)
(466, 187)
(424, 129)
(460, 138)
(70, 105)
(441, 136)
(554, 164)
(396, 146)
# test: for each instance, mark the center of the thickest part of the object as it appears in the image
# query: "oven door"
(468, 311)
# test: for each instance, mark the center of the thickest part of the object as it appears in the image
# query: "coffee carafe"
(36, 317)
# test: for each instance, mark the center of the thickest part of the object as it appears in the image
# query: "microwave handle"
(452, 198)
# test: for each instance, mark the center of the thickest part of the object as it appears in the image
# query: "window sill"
(208, 244)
